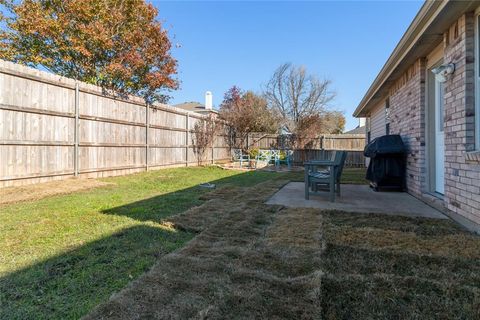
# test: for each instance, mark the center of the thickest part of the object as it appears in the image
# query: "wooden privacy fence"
(320, 147)
(355, 159)
(322, 142)
(53, 127)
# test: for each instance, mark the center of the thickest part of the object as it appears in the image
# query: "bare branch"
(204, 132)
(302, 100)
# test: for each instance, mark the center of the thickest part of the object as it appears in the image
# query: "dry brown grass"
(399, 268)
(408, 242)
(47, 189)
(298, 229)
(239, 266)
(393, 297)
(220, 203)
(254, 261)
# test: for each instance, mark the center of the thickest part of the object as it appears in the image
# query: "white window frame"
(477, 80)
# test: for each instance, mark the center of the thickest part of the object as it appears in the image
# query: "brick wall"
(407, 118)
(462, 177)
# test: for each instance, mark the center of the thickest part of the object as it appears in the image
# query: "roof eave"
(427, 13)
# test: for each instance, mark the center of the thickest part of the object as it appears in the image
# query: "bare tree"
(295, 94)
(204, 132)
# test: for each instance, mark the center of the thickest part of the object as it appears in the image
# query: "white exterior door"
(439, 139)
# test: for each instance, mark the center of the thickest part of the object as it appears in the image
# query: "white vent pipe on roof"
(208, 100)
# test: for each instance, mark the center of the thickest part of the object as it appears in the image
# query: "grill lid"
(389, 144)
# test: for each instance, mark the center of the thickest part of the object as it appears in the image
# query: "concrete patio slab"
(356, 198)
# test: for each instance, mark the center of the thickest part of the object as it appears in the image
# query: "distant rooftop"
(357, 130)
(194, 106)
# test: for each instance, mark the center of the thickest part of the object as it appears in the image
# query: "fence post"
(147, 125)
(322, 142)
(213, 150)
(187, 128)
(76, 131)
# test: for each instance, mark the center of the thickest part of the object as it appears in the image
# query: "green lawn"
(62, 255)
(354, 176)
(251, 260)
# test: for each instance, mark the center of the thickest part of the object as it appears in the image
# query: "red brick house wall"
(407, 118)
(407, 100)
(462, 175)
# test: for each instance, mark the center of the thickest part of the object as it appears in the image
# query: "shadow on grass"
(69, 285)
(159, 207)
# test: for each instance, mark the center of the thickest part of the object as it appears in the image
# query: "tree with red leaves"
(246, 112)
(116, 44)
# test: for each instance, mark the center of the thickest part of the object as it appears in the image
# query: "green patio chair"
(264, 156)
(329, 179)
(285, 156)
(275, 156)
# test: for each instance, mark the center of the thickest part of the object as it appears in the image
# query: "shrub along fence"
(320, 147)
(53, 128)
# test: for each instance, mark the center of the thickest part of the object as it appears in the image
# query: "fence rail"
(354, 142)
(320, 147)
(355, 159)
(53, 128)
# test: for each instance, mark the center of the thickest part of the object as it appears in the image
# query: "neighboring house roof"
(194, 106)
(357, 130)
(421, 37)
(190, 106)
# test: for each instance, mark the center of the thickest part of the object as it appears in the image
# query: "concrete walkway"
(356, 198)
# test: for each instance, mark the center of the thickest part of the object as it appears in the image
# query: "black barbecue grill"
(386, 170)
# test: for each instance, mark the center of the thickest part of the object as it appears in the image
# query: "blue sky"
(241, 43)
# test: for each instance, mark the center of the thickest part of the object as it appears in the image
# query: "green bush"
(253, 153)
